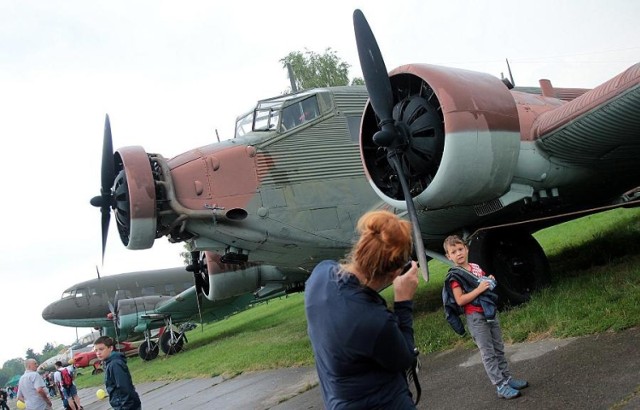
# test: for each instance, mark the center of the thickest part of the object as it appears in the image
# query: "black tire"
(148, 350)
(517, 261)
(169, 347)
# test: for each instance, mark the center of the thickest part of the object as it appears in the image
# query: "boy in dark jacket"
(472, 296)
(117, 379)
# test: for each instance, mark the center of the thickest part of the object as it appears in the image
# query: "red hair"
(384, 245)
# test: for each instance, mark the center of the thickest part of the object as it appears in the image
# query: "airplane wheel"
(517, 261)
(171, 347)
(148, 350)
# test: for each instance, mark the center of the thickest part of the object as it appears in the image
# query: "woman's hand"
(404, 286)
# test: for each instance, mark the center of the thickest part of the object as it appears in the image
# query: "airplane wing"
(188, 306)
(183, 304)
(132, 312)
(600, 129)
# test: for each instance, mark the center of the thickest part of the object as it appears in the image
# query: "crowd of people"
(36, 390)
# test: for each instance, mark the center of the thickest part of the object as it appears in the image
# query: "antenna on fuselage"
(292, 79)
(508, 81)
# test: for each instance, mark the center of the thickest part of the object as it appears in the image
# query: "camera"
(406, 267)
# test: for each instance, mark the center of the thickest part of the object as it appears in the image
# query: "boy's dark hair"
(58, 363)
(105, 340)
(452, 240)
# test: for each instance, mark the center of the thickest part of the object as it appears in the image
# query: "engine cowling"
(135, 198)
(148, 204)
(128, 311)
(463, 133)
(222, 281)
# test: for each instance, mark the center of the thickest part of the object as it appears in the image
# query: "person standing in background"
(32, 389)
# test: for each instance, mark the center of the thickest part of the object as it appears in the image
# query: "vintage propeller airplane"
(134, 304)
(456, 151)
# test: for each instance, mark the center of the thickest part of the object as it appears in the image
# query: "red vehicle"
(86, 359)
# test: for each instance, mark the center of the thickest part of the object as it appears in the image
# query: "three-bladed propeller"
(389, 137)
(113, 315)
(105, 201)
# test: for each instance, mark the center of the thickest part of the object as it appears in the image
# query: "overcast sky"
(172, 73)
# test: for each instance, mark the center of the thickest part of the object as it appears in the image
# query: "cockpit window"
(69, 293)
(80, 293)
(244, 123)
(170, 289)
(282, 113)
(266, 117)
(300, 113)
(148, 291)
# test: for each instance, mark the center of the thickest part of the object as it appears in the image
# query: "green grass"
(595, 263)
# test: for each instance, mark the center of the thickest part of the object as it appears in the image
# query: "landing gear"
(148, 349)
(97, 368)
(515, 258)
(171, 342)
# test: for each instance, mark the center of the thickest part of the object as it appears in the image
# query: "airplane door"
(97, 302)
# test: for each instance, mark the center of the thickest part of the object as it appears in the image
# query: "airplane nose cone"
(48, 312)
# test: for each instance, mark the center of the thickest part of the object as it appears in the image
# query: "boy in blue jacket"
(117, 379)
(471, 296)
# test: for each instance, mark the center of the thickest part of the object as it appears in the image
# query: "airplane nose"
(48, 312)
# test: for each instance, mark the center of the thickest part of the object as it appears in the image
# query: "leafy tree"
(186, 254)
(30, 354)
(49, 351)
(312, 70)
(13, 367)
(48, 348)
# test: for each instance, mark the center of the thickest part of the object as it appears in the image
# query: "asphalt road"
(593, 372)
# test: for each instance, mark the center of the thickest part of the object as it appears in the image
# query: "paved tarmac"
(593, 372)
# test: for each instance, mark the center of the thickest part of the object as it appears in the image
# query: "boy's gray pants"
(488, 338)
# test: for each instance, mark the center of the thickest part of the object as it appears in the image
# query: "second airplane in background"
(131, 305)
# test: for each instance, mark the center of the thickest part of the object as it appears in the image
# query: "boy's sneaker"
(507, 392)
(517, 384)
